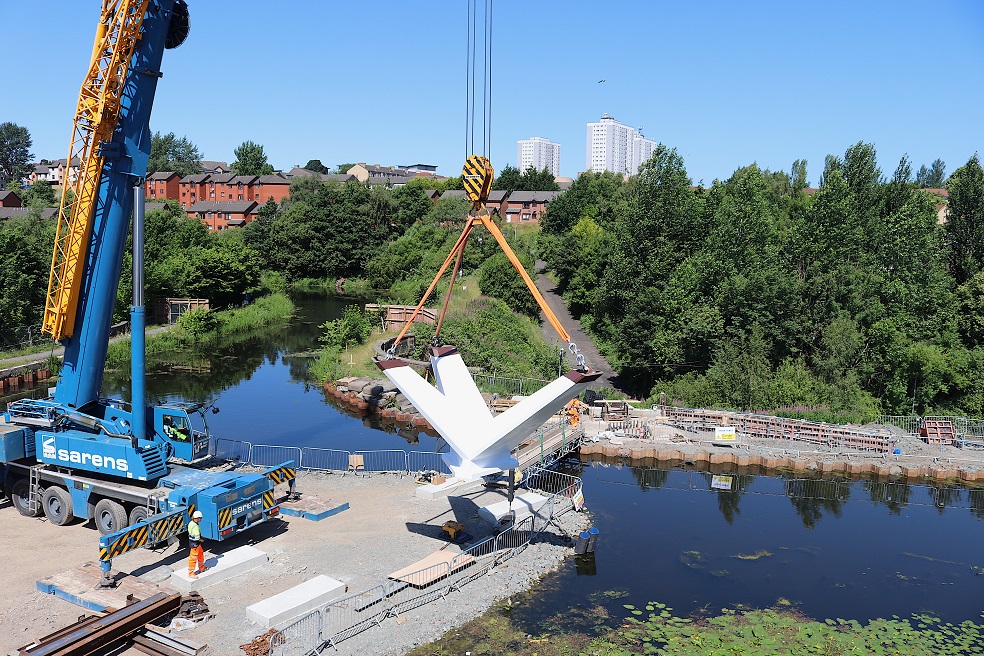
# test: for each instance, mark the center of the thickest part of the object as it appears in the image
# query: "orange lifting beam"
(477, 178)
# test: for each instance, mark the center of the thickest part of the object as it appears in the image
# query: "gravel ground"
(386, 528)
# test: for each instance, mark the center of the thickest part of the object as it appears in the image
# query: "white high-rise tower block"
(480, 443)
(617, 148)
(539, 153)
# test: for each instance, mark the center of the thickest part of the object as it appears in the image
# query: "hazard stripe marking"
(268, 500)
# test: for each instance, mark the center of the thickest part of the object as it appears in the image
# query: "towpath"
(592, 356)
(11, 364)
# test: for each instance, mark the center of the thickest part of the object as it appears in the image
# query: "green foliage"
(15, 153)
(783, 631)
(353, 327)
(752, 294)
(264, 311)
(25, 259)
(316, 166)
(510, 179)
(491, 336)
(198, 322)
(933, 177)
(169, 153)
(40, 194)
(251, 160)
(965, 220)
(498, 278)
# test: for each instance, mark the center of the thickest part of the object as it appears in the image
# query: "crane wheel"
(20, 494)
(110, 516)
(57, 504)
(138, 514)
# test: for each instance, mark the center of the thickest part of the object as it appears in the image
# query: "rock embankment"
(377, 396)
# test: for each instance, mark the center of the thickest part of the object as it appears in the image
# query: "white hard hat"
(197, 514)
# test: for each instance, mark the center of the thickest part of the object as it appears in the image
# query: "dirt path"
(594, 359)
(31, 358)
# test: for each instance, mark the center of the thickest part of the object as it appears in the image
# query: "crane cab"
(184, 429)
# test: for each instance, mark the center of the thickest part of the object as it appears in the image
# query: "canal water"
(850, 550)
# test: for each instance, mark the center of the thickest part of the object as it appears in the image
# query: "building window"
(223, 194)
(240, 196)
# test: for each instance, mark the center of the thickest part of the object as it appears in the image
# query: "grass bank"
(265, 311)
(488, 334)
(656, 629)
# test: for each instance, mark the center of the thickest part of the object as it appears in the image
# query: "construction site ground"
(386, 528)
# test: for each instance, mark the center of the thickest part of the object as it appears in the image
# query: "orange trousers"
(196, 559)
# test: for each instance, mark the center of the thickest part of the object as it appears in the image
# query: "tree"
(933, 177)
(169, 153)
(542, 180)
(343, 168)
(965, 220)
(316, 166)
(15, 153)
(509, 179)
(798, 176)
(40, 194)
(251, 160)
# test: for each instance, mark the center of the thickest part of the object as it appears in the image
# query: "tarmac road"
(592, 356)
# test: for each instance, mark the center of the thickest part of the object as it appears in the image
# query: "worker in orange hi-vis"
(573, 411)
(196, 558)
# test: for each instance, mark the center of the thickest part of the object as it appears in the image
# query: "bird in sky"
(600, 81)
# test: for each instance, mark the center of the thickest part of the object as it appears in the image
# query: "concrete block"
(459, 485)
(221, 567)
(312, 507)
(524, 505)
(300, 599)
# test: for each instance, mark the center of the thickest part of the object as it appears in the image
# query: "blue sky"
(726, 83)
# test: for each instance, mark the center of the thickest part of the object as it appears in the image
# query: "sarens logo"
(48, 452)
(255, 503)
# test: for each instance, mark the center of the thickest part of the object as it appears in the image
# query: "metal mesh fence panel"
(234, 450)
(299, 637)
(324, 459)
(426, 461)
(266, 455)
(384, 461)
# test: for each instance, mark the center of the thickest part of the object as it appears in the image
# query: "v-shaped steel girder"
(481, 443)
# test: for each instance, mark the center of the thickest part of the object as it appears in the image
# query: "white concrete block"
(221, 567)
(300, 599)
(524, 505)
(451, 485)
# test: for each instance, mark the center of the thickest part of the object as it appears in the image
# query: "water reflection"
(833, 548)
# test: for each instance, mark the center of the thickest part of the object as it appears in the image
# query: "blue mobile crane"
(77, 455)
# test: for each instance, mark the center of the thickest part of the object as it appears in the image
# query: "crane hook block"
(476, 176)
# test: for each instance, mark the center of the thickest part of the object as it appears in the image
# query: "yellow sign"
(578, 500)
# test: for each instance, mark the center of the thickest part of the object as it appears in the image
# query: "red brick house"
(193, 188)
(270, 186)
(163, 185)
(526, 206)
(219, 215)
(10, 199)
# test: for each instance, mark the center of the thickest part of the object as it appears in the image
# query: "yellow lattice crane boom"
(96, 118)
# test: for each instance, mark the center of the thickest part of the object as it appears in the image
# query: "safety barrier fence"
(543, 448)
(511, 386)
(336, 460)
(969, 431)
(347, 616)
(754, 425)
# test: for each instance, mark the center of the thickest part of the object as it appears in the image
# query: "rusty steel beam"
(110, 629)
